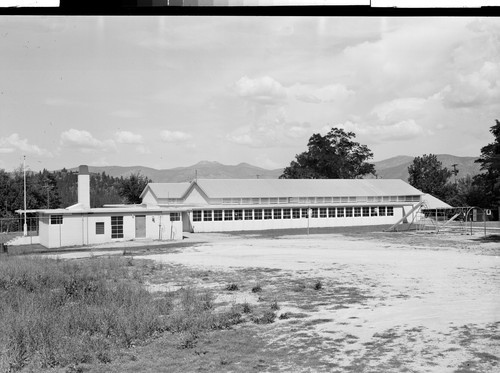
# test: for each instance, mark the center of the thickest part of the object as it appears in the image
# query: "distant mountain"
(397, 167)
(392, 168)
(203, 170)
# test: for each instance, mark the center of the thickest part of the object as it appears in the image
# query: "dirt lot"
(375, 302)
(357, 301)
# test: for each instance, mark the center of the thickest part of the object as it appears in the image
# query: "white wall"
(195, 197)
(80, 229)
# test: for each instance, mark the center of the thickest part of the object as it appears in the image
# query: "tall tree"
(428, 175)
(490, 163)
(131, 188)
(333, 156)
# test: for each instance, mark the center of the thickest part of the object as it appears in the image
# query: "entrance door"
(140, 226)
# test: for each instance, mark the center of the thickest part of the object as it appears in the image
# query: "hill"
(397, 167)
(392, 168)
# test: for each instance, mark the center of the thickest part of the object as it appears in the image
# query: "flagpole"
(25, 226)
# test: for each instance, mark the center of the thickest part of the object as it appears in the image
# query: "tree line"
(337, 156)
(59, 189)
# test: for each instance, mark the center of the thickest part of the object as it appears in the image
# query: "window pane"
(257, 214)
(286, 214)
(228, 214)
(56, 219)
(277, 213)
(331, 212)
(366, 211)
(322, 212)
(357, 211)
(374, 211)
(99, 228)
(117, 227)
(217, 215)
(197, 215)
(175, 216)
(381, 211)
(207, 215)
(348, 212)
(268, 214)
(296, 213)
(238, 214)
(304, 213)
(248, 215)
(340, 212)
(314, 213)
(390, 211)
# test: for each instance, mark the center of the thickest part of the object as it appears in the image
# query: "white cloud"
(264, 90)
(11, 143)
(398, 108)
(127, 137)
(328, 93)
(269, 133)
(84, 141)
(174, 136)
(403, 130)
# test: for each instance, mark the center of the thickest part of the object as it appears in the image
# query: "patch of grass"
(267, 317)
(257, 288)
(318, 285)
(247, 308)
(275, 306)
(284, 316)
(64, 314)
(232, 287)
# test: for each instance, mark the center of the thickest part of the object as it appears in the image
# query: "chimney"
(84, 186)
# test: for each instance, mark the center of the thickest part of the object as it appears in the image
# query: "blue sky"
(166, 92)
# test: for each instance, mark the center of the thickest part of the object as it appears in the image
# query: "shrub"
(284, 316)
(232, 287)
(247, 308)
(257, 288)
(318, 285)
(275, 306)
(267, 318)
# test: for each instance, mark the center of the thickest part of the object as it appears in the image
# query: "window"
(366, 211)
(374, 211)
(390, 211)
(331, 212)
(248, 215)
(228, 214)
(273, 201)
(217, 215)
(296, 213)
(207, 215)
(117, 227)
(197, 215)
(277, 213)
(286, 214)
(352, 199)
(99, 227)
(56, 219)
(246, 201)
(381, 211)
(322, 212)
(293, 200)
(344, 199)
(320, 200)
(340, 212)
(264, 201)
(256, 201)
(257, 214)
(304, 213)
(175, 216)
(357, 211)
(238, 214)
(314, 213)
(268, 214)
(348, 212)
(282, 200)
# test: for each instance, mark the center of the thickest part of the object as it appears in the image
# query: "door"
(140, 226)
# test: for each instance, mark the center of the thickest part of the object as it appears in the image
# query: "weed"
(257, 288)
(247, 308)
(284, 316)
(267, 318)
(275, 306)
(318, 285)
(232, 287)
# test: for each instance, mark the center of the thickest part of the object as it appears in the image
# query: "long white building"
(221, 205)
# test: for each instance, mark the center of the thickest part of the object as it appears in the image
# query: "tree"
(132, 187)
(428, 175)
(490, 163)
(333, 156)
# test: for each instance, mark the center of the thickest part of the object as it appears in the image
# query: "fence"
(16, 225)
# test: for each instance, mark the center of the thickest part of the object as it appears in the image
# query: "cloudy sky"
(166, 92)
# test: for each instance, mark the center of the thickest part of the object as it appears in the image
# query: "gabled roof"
(268, 188)
(432, 203)
(253, 188)
(166, 190)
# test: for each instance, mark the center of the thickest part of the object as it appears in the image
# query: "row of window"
(313, 200)
(293, 213)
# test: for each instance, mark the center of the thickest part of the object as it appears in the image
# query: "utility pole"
(455, 172)
(25, 226)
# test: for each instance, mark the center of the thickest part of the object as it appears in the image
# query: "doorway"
(140, 226)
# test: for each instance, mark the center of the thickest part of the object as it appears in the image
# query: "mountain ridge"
(390, 168)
